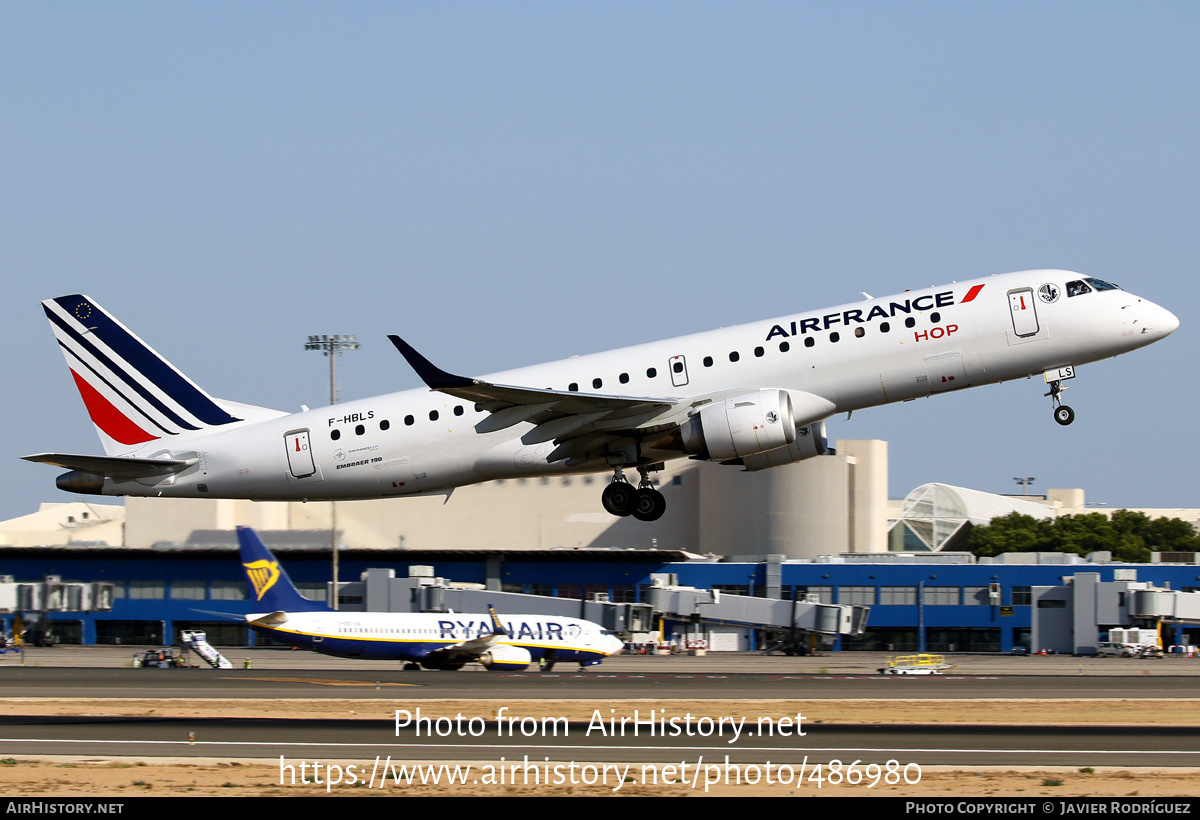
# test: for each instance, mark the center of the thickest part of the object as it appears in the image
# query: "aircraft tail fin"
(266, 581)
(132, 394)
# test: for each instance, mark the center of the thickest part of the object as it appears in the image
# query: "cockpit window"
(1077, 288)
(1100, 284)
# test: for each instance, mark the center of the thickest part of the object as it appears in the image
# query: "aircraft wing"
(575, 421)
(475, 647)
(115, 466)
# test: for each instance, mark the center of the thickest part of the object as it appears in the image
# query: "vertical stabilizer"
(266, 582)
(133, 394)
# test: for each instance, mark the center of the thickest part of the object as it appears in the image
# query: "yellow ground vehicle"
(922, 664)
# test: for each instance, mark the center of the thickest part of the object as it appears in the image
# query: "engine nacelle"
(504, 656)
(810, 442)
(77, 481)
(737, 427)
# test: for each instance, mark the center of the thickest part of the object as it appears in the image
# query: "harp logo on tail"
(262, 575)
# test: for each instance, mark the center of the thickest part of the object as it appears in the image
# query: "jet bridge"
(27, 602)
(805, 615)
(422, 591)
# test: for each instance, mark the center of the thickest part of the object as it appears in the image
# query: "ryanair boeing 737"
(433, 640)
(754, 395)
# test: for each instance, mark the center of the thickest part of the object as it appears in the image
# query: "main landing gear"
(645, 503)
(1062, 414)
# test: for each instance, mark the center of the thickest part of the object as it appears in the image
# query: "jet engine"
(810, 442)
(504, 656)
(737, 427)
(77, 481)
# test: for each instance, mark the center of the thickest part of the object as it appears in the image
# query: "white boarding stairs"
(197, 642)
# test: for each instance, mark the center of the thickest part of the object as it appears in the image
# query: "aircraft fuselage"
(854, 356)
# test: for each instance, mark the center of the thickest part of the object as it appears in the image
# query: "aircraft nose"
(1170, 322)
(1162, 321)
(612, 644)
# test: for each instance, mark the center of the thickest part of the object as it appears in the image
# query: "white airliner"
(754, 395)
(432, 640)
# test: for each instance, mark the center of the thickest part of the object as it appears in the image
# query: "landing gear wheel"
(649, 504)
(618, 498)
(1064, 415)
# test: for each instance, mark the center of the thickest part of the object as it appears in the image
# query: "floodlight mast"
(333, 346)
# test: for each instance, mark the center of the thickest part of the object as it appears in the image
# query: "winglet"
(497, 627)
(431, 374)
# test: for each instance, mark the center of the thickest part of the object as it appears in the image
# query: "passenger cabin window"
(573, 387)
(596, 383)
(758, 351)
(809, 341)
(651, 372)
(433, 415)
(733, 356)
(623, 378)
(708, 361)
(784, 347)
(458, 410)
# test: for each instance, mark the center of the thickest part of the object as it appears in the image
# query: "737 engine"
(504, 656)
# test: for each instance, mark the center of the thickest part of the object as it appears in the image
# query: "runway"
(591, 742)
(590, 685)
(752, 712)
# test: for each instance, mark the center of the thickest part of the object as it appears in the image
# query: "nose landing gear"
(645, 503)
(1062, 414)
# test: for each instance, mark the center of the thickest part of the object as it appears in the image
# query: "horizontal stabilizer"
(270, 619)
(114, 466)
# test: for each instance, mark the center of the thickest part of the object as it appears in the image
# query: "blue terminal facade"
(916, 605)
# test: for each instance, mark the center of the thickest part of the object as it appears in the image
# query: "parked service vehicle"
(1112, 649)
(163, 658)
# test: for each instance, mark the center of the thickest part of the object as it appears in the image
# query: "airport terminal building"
(822, 530)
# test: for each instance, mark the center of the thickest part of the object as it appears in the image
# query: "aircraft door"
(1024, 314)
(678, 366)
(946, 371)
(300, 460)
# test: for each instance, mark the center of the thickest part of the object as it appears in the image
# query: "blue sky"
(505, 184)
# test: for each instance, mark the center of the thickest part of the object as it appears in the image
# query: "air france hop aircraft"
(754, 395)
(435, 641)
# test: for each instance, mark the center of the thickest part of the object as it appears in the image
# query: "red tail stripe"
(115, 424)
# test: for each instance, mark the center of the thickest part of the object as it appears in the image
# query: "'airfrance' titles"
(813, 324)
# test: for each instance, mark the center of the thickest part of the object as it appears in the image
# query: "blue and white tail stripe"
(131, 392)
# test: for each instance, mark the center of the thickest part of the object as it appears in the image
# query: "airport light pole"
(333, 346)
(1024, 482)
